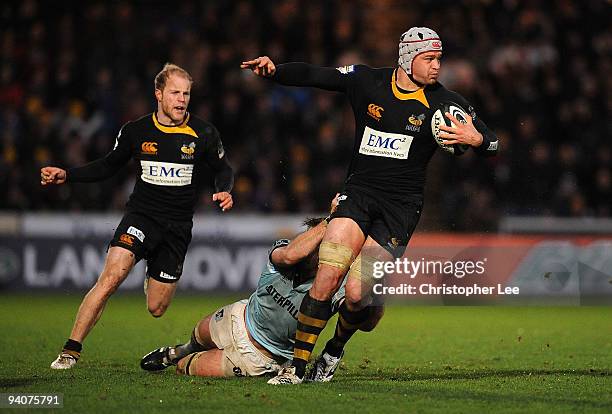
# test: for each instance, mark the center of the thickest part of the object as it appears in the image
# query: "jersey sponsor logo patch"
(136, 232)
(126, 239)
(493, 146)
(149, 148)
(219, 315)
(165, 275)
(283, 301)
(166, 173)
(385, 144)
(375, 111)
(346, 69)
(188, 151)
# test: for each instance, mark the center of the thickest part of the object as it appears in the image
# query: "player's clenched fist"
(262, 66)
(52, 175)
(225, 200)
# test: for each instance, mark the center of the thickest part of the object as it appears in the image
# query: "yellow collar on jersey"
(177, 129)
(418, 95)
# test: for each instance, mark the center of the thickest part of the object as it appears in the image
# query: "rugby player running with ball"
(382, 198)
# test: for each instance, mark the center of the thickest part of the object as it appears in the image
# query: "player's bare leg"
(360, 280)
(343, 239)
(344, 232)
(159, 296)
(355, 313)
(202, 364)
(119, 262)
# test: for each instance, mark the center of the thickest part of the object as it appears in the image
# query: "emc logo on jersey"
(385, 144)
(187, 151)
(375, 111)
(166, 173)
(149, 148)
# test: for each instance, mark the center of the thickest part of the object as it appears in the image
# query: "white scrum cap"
(415, 41)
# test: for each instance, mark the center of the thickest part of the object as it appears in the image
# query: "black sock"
(190, 347)
(348, 323)
(312, 318)
(72, 345)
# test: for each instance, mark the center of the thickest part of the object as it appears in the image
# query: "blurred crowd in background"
(537, 72)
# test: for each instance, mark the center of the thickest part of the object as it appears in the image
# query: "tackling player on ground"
(255, 337)
(383, 195)
(172, 147)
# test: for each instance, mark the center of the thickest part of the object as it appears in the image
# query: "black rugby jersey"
(170, 160)
(393, 138)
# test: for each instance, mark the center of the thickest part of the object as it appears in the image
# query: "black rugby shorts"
(163, 244)
(389, 222)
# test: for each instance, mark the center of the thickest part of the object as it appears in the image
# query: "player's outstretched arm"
(261, 66)
(299, 74)
(303, 244)
(52, 175)
(107, 166)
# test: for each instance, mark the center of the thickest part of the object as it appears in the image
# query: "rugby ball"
(439, 118)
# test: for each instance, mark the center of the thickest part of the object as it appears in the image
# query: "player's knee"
(326, 284)
(359, 283)
(354, 299)
(337, 257)
(334, 261)
(157, 309)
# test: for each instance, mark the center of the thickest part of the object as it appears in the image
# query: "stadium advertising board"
(440, 267)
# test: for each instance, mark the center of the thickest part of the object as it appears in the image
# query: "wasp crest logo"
(188, 151)
(375, 111)
(415, 122)
(149, 148)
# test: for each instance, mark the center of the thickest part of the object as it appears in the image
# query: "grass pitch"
(419, 359)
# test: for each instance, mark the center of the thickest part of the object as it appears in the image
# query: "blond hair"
(170, 69)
